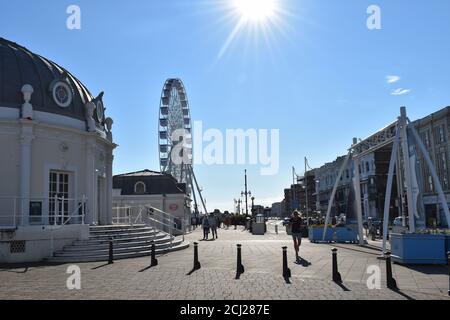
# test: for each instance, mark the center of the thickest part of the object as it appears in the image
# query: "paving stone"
(262, 258)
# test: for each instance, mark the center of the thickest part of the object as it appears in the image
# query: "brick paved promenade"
(262, 258)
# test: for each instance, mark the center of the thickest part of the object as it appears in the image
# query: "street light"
(246, 193)
(253, 206)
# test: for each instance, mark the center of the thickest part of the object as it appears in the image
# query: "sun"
(255, 10)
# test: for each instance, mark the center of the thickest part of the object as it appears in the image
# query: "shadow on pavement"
(303, 262)
(398, 291)
(26, 266)
(442, 270)
(101, 266)
(342, 286)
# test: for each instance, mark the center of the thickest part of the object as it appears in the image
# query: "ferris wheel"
(175, 131)
(175, 139)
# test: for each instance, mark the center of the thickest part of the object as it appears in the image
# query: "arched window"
(139, 188)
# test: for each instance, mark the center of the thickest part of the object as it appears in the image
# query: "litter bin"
(259, 226)
(289, 229)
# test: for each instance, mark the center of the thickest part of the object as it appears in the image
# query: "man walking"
(205, 226)
(213, 225)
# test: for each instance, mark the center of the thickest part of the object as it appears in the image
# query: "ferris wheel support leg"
(198, 189)
(193, 191)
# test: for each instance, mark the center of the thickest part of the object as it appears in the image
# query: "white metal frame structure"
(396, 134)
(174, 129)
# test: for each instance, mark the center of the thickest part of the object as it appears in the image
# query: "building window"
(58, 197)
(430, 184)
(440, 134)
(426, 138)
(367, 166)
(139, 188)
(443, 169)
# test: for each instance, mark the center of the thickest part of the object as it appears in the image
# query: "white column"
(91, 176)
(26, 139)
(333, 193)
(407, 169)
(357, 185)
(387, 200)
(109, 187)
(434, 175)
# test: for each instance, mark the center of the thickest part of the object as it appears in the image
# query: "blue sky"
(319, 77)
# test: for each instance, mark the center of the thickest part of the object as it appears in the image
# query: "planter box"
(316, 234)
(418, 248)
(447, 243)
(345, 234)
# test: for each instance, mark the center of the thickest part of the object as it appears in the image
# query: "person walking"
(296, 226)
(205, 226)
(213, 225)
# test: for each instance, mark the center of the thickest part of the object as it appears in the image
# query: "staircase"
(129, 242)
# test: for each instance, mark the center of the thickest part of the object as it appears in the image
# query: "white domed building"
(56, 157)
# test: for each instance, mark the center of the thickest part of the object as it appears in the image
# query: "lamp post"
(246, 193)
(253, 205)
(238, 205)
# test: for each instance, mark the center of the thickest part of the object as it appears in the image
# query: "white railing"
(121, 215)
(150, 216)
(16, 211)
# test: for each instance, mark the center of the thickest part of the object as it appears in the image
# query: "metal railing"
(152, 217)
(16, 211)
(121, 215)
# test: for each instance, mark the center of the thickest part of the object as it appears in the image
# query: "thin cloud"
(392, 79)
(400, 92)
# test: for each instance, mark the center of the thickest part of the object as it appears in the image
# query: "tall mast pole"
(305, 179)
(246, 194)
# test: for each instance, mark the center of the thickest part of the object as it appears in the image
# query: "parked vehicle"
(398, 222)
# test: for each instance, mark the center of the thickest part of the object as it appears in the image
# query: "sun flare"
(255, 10)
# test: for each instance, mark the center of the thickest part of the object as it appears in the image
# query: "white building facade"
(56, 157)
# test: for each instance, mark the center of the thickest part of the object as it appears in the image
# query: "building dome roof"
(55, 90)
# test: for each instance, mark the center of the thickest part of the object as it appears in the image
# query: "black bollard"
(391, 283)
(448, 260)
(197, 265)
(154, 262)
(336, 275)
(111, 252)
(240, 267)
(286, 270)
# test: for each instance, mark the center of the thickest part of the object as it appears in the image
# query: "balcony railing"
(16, 211)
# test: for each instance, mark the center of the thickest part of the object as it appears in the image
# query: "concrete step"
(115, 227)
(78, 259)
(129, 242)
(121, 235)
(148, 237)
(117, 244)
(119, 231)
(105, 252)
